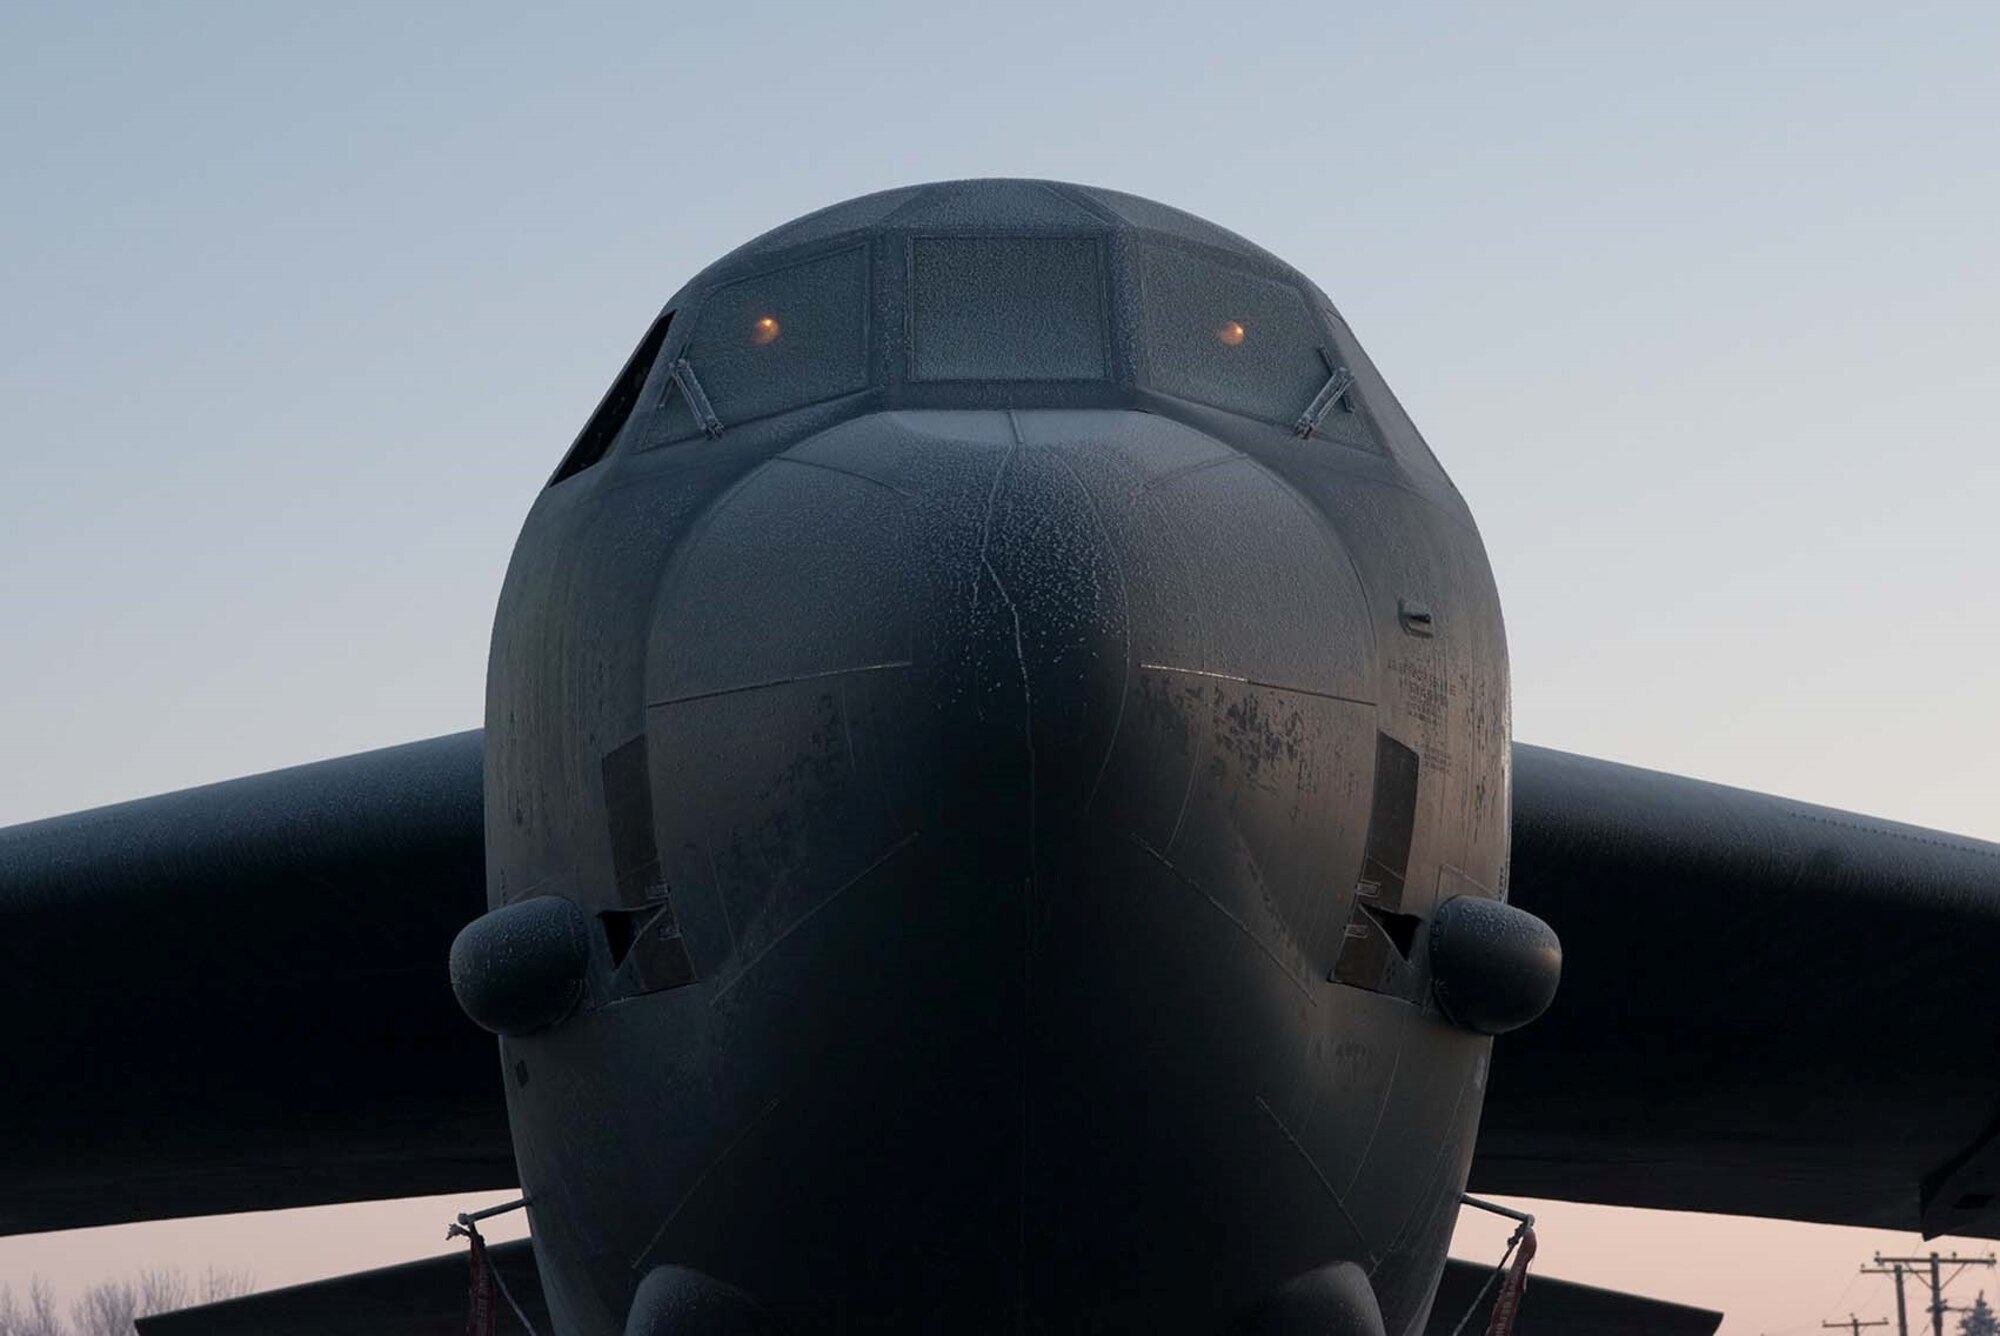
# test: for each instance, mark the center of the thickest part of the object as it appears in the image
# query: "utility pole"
(1855, 1324)
(1935, 1263)
(1902, 1313)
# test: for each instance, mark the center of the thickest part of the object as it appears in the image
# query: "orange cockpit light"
(764, 329)
(1230, 333)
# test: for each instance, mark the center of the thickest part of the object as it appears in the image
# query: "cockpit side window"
(615, 409)
(1231, 339)
(777, 341)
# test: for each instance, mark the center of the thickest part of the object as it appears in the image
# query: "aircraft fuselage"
(1007, 790)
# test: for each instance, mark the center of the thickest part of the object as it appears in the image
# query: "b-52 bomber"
(997, 811)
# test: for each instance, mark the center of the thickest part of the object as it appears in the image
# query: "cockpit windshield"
(1005, 320)
(1007, 309)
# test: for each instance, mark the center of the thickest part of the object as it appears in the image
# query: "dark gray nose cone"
(1494, 968)
(520, 968)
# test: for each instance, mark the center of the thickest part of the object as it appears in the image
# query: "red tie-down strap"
(479, 1299)
(1507, 1304)
(481, 1313)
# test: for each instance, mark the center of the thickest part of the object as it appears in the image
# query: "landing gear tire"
(676, 1301)
(1334, 1300)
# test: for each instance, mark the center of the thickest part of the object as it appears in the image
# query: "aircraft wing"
(1767, 1008)
(234, 997)
(1551, 1307)
(428, 1298)
(423, 1298)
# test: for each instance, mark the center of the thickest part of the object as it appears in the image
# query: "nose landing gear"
(677, 1301)
(1334, 1300)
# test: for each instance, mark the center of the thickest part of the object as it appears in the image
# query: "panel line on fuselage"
(1254, 682)
(807, 917)
(1229, 914)
(1172, 475)
(1124, 621)
(789, 458)
(702, 1178)
(778, 682)
(1312, 1164)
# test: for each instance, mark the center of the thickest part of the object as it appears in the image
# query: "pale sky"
(1697, 302)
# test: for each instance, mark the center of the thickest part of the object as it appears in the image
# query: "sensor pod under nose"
(520, 968)
(1494, 968)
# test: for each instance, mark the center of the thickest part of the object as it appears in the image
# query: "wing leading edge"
(234, 997)
(1768, 1008)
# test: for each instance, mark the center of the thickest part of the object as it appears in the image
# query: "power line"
(1935, 1263)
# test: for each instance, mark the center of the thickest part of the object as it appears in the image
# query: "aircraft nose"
(1066, 614)
(1049, 739)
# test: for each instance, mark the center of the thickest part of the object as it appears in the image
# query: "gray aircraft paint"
(1009, 951)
